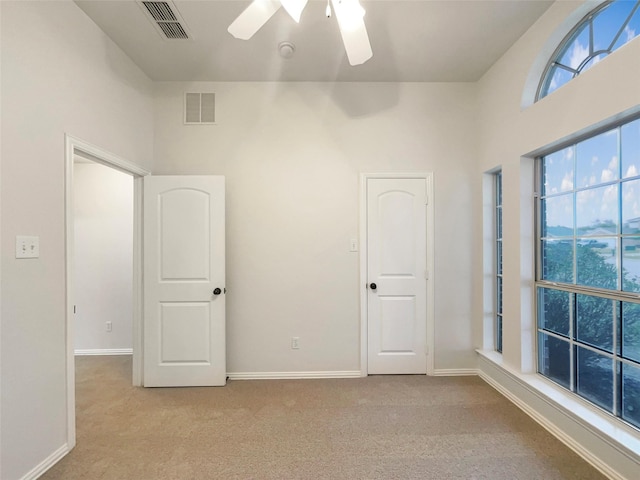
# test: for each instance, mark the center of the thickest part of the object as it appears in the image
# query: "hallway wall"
(60, 75)
(103, 258)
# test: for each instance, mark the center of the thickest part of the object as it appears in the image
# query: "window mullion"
(572, 344)
(567, 68)
(575, 243)
(590, 36)
(498, 248)
(623, 26)
(632, 297)
(616, 315)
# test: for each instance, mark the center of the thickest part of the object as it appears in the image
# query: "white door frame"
(428, 177)
(73, 147)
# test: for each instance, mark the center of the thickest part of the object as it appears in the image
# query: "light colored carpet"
(379, 427)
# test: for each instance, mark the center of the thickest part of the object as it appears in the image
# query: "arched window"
(602, 31)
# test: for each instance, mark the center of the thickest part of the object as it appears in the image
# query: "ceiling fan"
(349, 13)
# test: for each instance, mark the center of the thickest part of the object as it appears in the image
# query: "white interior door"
(184, 281)
(397, 273)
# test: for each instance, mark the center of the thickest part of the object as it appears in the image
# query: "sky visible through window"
(599, 34)
(591, 191)
(597, 161)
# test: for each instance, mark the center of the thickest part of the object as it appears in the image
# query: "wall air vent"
(166, 19)
(199, 108)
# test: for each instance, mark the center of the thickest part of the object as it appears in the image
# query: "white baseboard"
(103, 351)
(292, 375)
(442, 372)
(47, 463)
(611, 458)
(454, 372)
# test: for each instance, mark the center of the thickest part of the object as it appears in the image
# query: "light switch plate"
(27, 246)
(353, 245)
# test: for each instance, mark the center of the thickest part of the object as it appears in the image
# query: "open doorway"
(78, 152)
(103, 259)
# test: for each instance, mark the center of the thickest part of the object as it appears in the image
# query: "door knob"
(217, 291)
(373, 286)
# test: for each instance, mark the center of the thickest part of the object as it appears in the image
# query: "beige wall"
(103, 257)
(292, 154)
(60, 74)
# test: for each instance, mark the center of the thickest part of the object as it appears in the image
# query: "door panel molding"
(429, 273)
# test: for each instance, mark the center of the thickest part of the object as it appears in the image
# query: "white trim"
(610, 446)
(428, 177)
(455, 372)
(431, 268)
(489, 269)
(73, 147)
(138, 289)
(98, 155)
(80, 352)
(362, 280)
(292, 375)
(69, 145)
(47, 463)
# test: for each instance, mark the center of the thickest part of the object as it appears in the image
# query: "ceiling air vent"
(199, 108)
(166, 19)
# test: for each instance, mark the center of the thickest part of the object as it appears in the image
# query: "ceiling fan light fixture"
(350, 14)
(355, 38)
(253, 18)
(294, 8)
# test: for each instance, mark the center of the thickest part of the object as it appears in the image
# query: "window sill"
(622, 437)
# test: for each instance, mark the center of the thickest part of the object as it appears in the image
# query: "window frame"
(498, 263)
(574, 289)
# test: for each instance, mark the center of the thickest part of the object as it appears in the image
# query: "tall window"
(601, 32)
(498, 216)
(588, 272)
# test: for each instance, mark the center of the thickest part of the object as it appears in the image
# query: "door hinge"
(74, 309)
(426, 274)
(426, 200)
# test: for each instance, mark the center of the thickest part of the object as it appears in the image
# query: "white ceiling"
(416, 40)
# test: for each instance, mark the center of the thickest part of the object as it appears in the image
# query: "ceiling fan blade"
(294, 8)
(253, 18)
(350, 16)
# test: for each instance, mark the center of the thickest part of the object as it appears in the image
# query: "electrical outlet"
(295, 343)
(109, 326)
